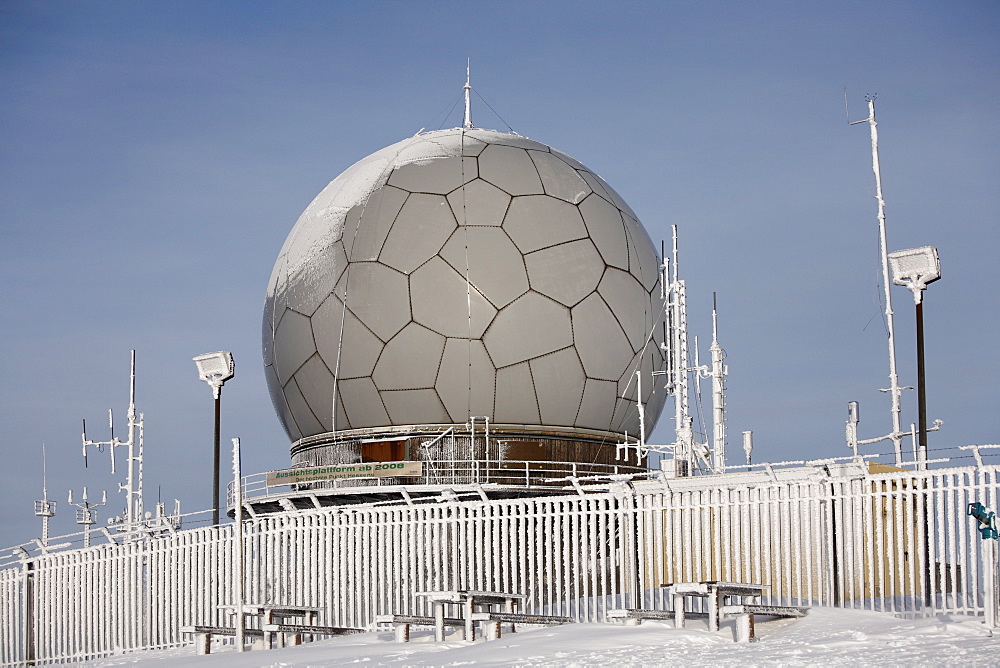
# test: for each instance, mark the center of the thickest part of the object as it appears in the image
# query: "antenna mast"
(44, 508)
(467, 123)
(133, 482)
(894, 390)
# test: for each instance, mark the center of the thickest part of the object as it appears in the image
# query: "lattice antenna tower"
(128, 522)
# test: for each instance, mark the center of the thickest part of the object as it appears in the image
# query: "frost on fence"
(898, 542)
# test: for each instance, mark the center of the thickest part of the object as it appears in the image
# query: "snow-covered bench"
(402, 623)
(203, 635)
(492, 620)
(634, 616)
(745, 612)
(296, 630)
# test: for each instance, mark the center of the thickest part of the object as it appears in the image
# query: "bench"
(298, 629)
(492, 620)
(203, 635)
(744, 614)
(634, 616)
(402, 623)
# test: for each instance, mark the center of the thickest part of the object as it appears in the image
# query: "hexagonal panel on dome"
(535, 222)
(422, 226)
(510, 169)
(600, 341)
(410, 360)
(515, 396)
(309, 286)
(495, 265)
(414, 407)
(379, 296)
(362, 403)
(559, 380)
(642, 248)
(466, 362)
(479, 203)
(604, 224)
(293, 344)
(567, 272)
(442, 299)
(558, 178)
(305, 420)
(439, 176)
(367, 224)
(530, 326)
(629, 302)
(362, 346)
(597, 406)
(315, 382)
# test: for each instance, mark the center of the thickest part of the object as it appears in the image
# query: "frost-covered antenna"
(467, 88)
(85, 514)
(44, 508)
(133, 482)
(894, 390)
(719, 373)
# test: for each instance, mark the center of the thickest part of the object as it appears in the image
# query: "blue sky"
(155, 155)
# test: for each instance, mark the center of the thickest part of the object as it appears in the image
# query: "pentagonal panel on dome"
(362, 403)
(379, 296)
(530, 326)
(558, 178)
(410, 360)
(293, 344)
(494, 264)
(305, 421)
(604, 223)
(315, 382)
(629, 302)
(479, 203)
(466, 379)
(352, 354)
(423, 225)
(414, 407)
(439, 175)
(559, 380)
(367, 223)
(442, 300)
(515, 396)
(597, 405)
(567, 272)
(510, 169)
(600, 341)
(538, 221)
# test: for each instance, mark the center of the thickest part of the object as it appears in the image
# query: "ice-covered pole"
(238, 537)
(719, 372)
(467, 88)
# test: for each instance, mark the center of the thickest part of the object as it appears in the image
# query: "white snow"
(825, 637)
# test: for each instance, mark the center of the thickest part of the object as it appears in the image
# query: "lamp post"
(215, 369)
(914, 268)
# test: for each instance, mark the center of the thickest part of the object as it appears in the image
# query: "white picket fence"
(896, 542)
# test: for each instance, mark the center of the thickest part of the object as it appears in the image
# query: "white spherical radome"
(460, 273)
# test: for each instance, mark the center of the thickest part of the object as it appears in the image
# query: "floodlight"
(215, 369)
(914, 268)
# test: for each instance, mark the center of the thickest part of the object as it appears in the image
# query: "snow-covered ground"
(824, 637)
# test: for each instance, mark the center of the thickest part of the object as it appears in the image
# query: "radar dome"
(464, 273)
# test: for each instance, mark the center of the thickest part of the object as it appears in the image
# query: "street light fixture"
(215, 369)
(915, 268)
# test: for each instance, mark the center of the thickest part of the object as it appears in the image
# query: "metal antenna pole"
(44, 508)
(719, 372)
(467, 123)
(682, 420)
(893, 389)
(238, 536)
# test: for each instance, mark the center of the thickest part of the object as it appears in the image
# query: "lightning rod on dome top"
(894, 390)
(467, 123)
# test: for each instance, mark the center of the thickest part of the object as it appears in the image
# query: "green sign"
(341, 471)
